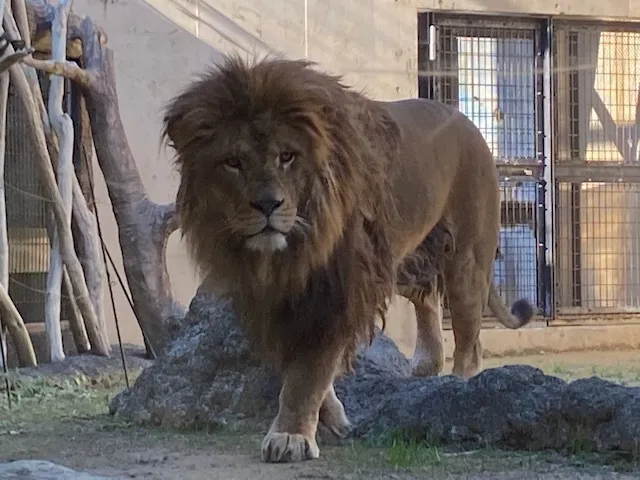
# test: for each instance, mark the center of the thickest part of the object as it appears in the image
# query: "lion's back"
(432, 123)
(443, 157)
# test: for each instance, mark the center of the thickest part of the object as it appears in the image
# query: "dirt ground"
(62, 417)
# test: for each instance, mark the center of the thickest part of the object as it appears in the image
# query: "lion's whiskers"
(302, 225)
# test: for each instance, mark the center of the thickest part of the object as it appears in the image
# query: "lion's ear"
(183, 122)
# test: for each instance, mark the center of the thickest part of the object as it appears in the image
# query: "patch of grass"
(412, 453)
(405, 448)
(561, 370)
(49, 399)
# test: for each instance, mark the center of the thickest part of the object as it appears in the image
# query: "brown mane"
(330, 285)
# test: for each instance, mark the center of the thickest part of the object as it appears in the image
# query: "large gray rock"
(43, 470)
(209, 378)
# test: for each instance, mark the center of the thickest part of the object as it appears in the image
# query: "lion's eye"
(285, 158)
(232, 163)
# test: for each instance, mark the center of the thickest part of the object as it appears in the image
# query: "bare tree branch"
(11, 27)
(63, 127)
(4, 238)
(76, 322)
(20, 14)
(14, 58)
(63, 68)
(14, 323)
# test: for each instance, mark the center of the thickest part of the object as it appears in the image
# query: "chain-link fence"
(28, 224)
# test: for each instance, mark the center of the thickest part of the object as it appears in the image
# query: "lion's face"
(257, 175)
(274, 160)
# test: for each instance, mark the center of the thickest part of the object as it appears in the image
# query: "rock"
(43, 470)
(91, 365)
(209, 378)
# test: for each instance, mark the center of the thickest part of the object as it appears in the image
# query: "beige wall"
(159, 44)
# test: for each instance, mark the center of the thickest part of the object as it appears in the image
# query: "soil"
(59, 414)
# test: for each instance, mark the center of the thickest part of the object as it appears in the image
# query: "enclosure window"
(597, 103)
(488, 74)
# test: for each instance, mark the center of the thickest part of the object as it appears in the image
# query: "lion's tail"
(521, 311)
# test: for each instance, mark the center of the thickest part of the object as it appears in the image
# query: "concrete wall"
(160, 44)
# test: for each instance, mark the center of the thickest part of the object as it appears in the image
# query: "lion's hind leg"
(334, 423)
(420, 280)
(428, 359)
(467, 284)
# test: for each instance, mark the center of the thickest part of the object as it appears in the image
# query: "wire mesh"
(27, 216)
(597, 105)
(488, 73)
(597, 98)
(598, 239)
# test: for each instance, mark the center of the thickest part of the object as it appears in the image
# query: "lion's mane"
(326, 289)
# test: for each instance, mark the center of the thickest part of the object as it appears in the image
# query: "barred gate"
(489, 69)
(559, 106)
(597, 80)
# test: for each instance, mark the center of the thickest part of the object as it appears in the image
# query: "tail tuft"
(523, 310)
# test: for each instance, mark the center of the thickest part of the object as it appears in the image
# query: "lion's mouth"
(269, 239)
(268, 230)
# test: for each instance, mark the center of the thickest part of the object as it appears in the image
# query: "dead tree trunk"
(143, 226)
(4, 240)
(83, 153)
(63, 127)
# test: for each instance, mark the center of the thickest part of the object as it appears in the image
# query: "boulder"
(210, 378)
(44, 470)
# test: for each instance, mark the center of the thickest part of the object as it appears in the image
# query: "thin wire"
(128, 297)
(106, 269)
(37, 290)
(5, 368)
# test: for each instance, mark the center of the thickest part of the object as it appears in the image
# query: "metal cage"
(559, 105)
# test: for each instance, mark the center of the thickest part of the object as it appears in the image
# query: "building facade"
(547, 82)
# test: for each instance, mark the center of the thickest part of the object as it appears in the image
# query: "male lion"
(302, 198)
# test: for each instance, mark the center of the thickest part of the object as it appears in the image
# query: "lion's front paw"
(288, 447)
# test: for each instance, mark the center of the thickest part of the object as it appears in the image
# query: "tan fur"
(304, 201)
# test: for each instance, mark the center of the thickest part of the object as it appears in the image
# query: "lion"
(301, 199)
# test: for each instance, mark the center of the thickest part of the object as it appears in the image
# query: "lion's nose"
(266, 205)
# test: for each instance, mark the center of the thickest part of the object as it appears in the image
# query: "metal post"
(547, 185)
